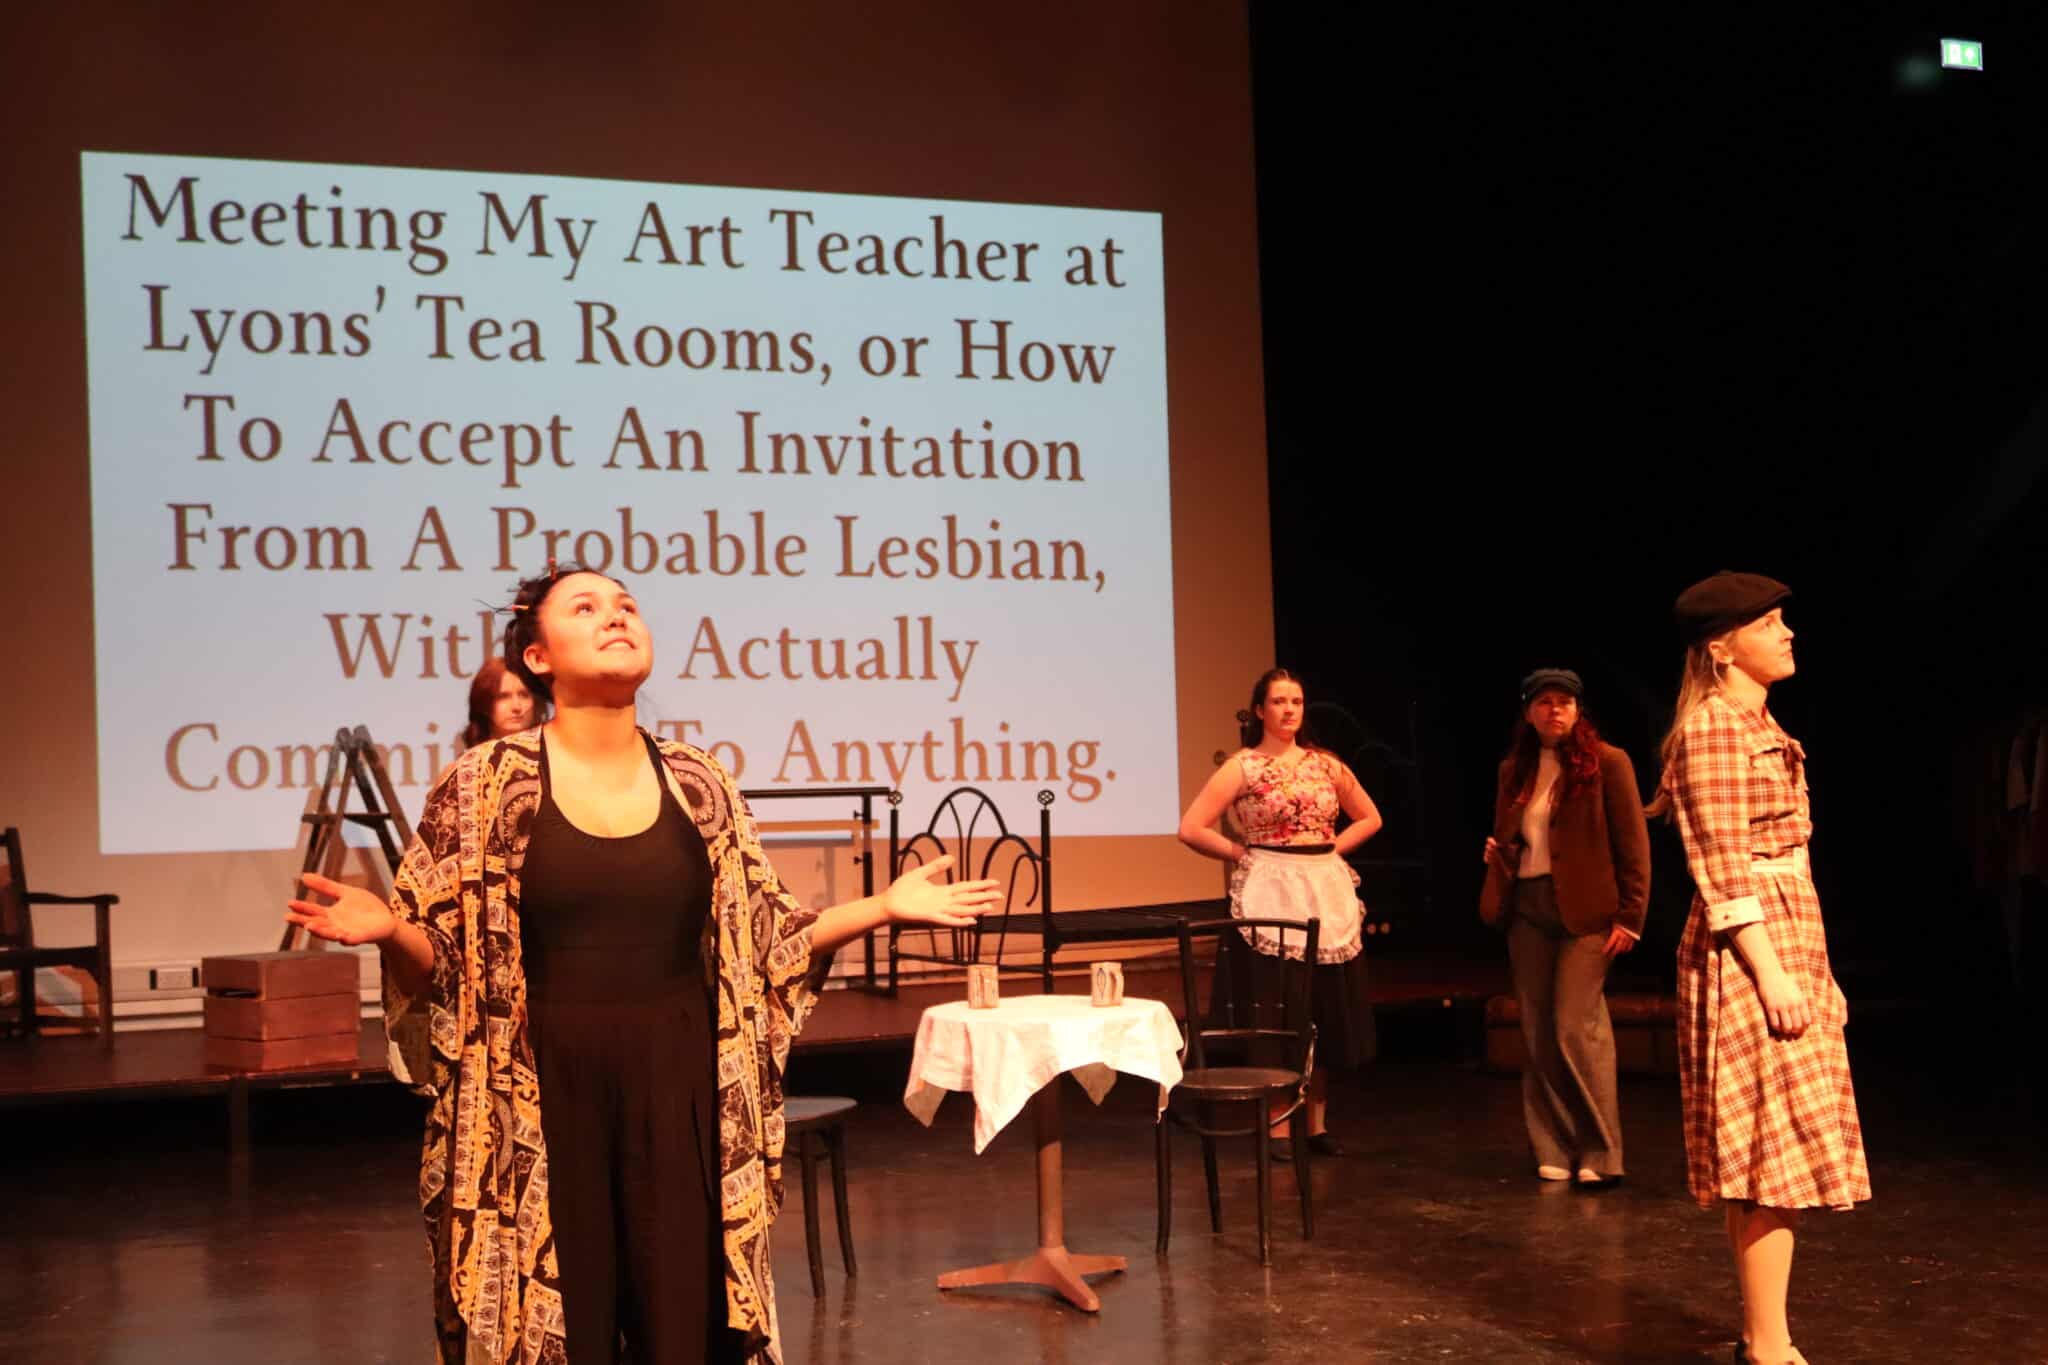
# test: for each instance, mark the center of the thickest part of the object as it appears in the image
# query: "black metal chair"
(20, 955)
(815, 1126)
(967, 824)
(1209, 1096)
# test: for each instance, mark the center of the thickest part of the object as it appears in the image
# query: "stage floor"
(128, 1239)
(149, 1064)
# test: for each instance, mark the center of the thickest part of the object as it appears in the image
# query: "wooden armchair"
(18, 951)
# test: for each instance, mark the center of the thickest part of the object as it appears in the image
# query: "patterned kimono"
(1768, 1120)
(464, 1045)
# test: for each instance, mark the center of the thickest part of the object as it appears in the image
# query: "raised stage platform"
(162, 1063)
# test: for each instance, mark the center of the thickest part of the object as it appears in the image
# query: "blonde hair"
(1700, 680)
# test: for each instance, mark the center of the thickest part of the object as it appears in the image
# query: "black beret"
(1544, 679)
(1714, 606)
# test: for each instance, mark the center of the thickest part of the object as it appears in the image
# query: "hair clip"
(552, 571)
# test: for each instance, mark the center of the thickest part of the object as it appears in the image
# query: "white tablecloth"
(1004, 1055)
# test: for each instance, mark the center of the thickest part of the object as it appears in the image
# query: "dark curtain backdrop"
(1566, 309)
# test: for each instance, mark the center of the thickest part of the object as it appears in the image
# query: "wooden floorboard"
(131, 1241)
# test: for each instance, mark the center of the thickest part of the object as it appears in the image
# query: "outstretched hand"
(356, 916)
(917, 898)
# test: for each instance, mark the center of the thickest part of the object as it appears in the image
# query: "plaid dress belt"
(1792, 864)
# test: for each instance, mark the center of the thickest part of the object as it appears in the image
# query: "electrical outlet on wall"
(182, 977)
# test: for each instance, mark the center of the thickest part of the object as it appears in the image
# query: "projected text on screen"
(888, 476)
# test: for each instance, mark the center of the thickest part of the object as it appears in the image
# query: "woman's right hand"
(1493, 858)
(356, 916)
(1784, 1004)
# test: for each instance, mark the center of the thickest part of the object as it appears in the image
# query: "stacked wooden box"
(1645, 1033)
(266, 1011)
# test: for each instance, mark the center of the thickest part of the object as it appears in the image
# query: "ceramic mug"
(1106, 984)
(982, 990)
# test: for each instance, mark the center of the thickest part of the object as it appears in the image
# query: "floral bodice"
(1288, 800)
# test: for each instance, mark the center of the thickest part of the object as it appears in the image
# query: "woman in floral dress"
(1284, 794)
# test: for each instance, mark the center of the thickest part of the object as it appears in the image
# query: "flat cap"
(1714, 606)
(1544, 679)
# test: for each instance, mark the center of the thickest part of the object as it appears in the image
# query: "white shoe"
(1552, 1173)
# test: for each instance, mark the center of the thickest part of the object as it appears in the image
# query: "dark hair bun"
(522, 626)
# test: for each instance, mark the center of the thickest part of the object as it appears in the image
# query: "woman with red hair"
(500, 704)
(1568, 874)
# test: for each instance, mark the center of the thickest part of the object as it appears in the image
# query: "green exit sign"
(1961, 54)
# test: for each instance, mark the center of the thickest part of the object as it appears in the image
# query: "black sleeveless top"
(613, 919)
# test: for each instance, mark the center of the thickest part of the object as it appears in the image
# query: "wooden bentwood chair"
(1212, 1096)
(815, 1127)
(20, 955)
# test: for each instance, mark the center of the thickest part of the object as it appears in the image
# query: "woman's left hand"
(915, 897)
(1619, 941)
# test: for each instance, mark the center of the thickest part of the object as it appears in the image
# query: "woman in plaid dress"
(1770, 1114)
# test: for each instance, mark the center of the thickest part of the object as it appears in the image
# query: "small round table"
(1010, 1055)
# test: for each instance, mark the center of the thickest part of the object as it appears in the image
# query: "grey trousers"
(1568, 1090)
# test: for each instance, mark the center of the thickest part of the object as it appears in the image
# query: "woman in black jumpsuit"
(614, 919)
(610, 933)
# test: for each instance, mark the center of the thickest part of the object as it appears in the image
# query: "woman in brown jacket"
(1568, 872)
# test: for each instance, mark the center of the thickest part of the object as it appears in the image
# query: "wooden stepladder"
(353, 762)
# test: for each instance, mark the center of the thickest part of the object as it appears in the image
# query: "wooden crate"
(279, 976)
(250, 1054)
(1645, 1038)
(268, 1011)
(297, 1016)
